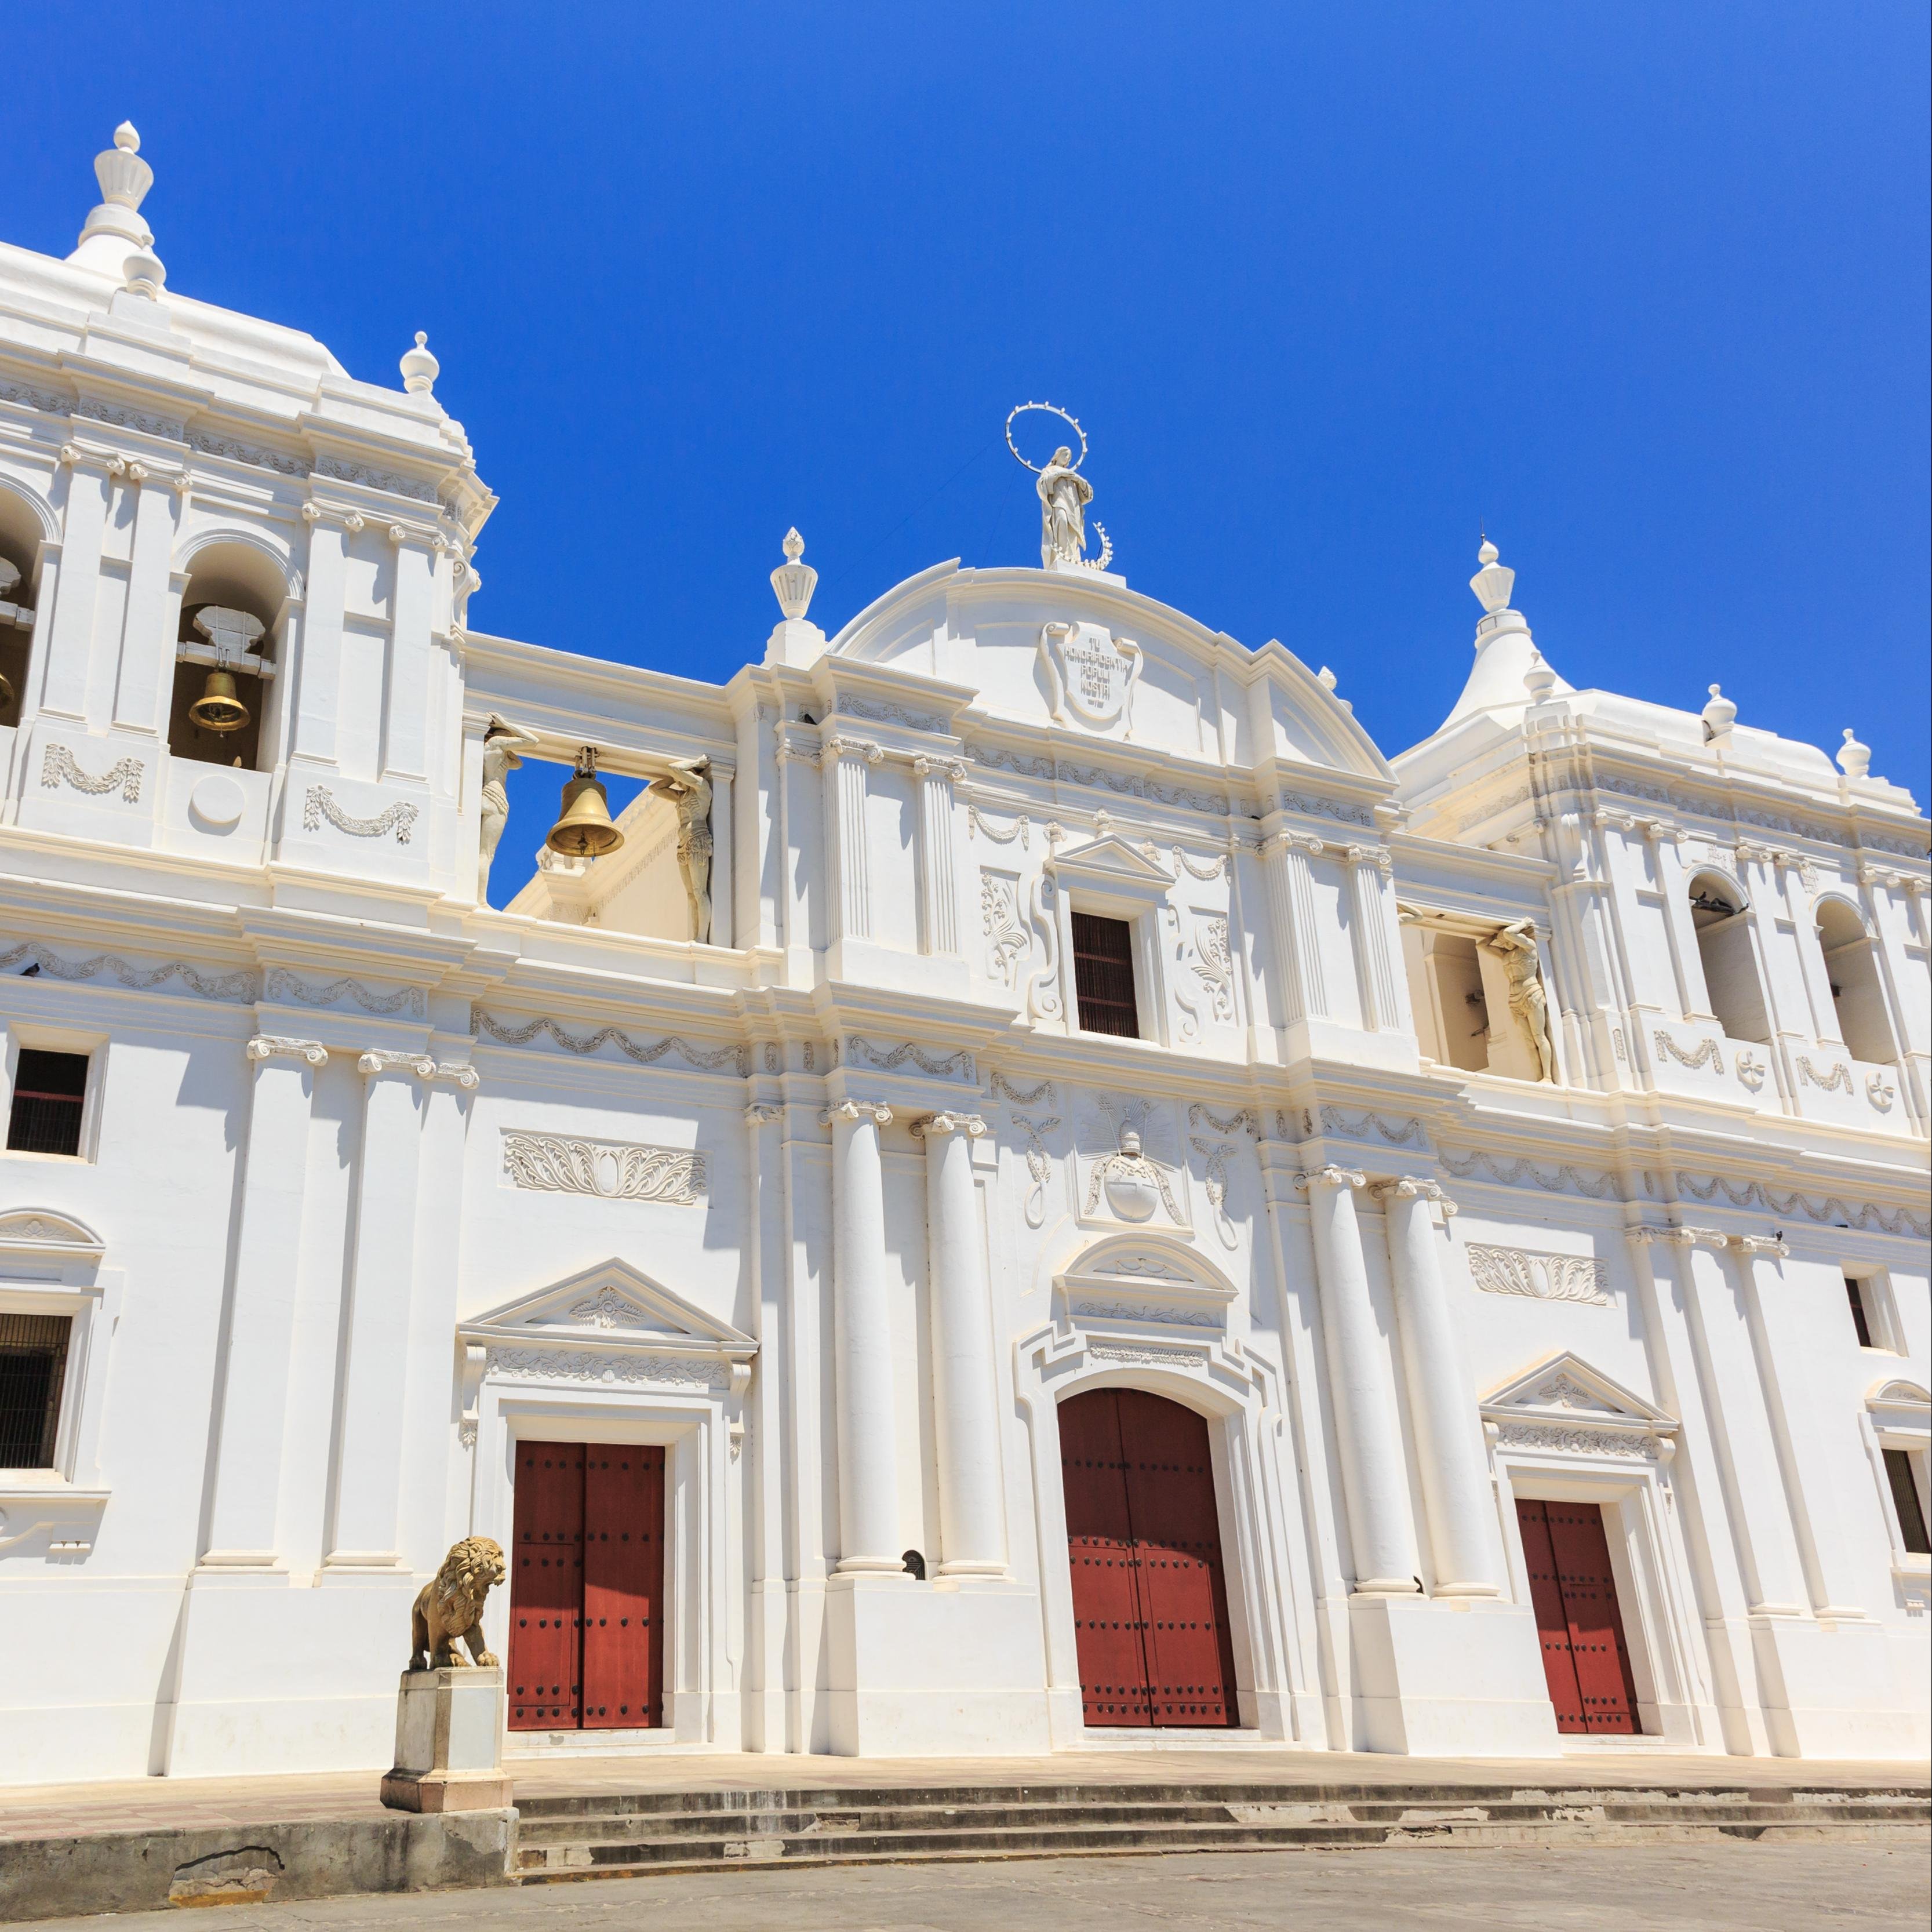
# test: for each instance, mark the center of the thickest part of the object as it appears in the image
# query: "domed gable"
(1081, 652)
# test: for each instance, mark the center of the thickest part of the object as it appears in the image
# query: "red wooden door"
(1574, 1591)
(1177, 1550)
(1107, 1617)
(1143, 1545)
(623, 1586)
(547, 1588)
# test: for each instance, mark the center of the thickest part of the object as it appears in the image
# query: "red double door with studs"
(1574, 1591)
(586, 1587)
(1144, 1543)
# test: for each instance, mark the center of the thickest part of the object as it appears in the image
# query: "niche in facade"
(1446, 990)
(1856, 994)
(225, 709)
(1731, 982)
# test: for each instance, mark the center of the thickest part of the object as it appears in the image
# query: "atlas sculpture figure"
(688, 788)
(501, 756)
(1515, 945)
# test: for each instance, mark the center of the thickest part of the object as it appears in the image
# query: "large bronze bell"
(218, 708)
(584, 830)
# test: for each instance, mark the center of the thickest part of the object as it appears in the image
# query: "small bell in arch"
(219, 708)
(584, 830)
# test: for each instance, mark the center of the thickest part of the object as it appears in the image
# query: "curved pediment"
(1080, 653)
(43, 1231)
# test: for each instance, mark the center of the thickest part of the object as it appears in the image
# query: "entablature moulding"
(306, 450)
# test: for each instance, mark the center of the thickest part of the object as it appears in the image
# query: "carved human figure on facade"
(688, 786)
(1515, 946)
(501, 756)
(450, 1608)
(1064, 494)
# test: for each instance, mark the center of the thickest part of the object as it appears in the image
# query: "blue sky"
(1644, 288)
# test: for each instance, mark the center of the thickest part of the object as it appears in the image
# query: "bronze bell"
(218, 708)
(584, 830)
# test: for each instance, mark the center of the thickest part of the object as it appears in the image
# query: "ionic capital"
(1409, 1187)
(925, 767)
(834, 748)
(380, 1060)
(270, 1045)
(1332, 1177)
(1682, 1237)
(1761, 1244)
(877, 1111)
(971, 1125)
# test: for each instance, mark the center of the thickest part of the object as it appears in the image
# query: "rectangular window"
(33, 1366)
(1861, 1313)
(49, 1090)
(1103, 975)
(1905, 1499)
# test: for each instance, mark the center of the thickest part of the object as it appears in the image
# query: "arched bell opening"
(1721, 919)
(1152, 1631)
(22, 534)
(227, 648)
(1857, 995)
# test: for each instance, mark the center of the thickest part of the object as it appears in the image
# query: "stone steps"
(636, 1834)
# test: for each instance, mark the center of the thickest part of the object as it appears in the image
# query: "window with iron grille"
(1103, 975)
(49, 1091)
(33, 1366)
(1905, 1500)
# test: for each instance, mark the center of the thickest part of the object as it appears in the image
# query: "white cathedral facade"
(1041, 1194)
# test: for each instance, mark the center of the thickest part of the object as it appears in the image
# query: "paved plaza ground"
(1674, 1888)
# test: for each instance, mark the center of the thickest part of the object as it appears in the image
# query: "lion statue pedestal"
(449, 1708)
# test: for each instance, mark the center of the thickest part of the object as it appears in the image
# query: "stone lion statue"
(452, 1607)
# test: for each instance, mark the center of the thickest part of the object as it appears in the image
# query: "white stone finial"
(1719, 715)
(115, 228)
(794, 581)
(1540, 681)
(1854, 759)
(1327, 677)
(143, 274)
(420, 368)
(1494, 582)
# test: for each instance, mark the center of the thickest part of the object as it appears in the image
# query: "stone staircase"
(559, 1838)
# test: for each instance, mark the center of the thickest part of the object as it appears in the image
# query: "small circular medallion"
(217, 802)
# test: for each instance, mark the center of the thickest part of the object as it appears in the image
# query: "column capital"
(1292, 841)
(761, 1113)
(876, 1111)
(1377, 856)
(925, 767)
(971, 1125)
(1761, 1244)
(1332, 1177)
(834, 748)
(268, 1045)
(1681, 1237)
(380, 1060)
(1408, 1187)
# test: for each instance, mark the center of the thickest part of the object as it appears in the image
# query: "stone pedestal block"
(449, 1742)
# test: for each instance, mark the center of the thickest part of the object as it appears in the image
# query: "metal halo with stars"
(1053, 409)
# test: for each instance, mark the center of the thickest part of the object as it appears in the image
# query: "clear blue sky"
(1642, 286)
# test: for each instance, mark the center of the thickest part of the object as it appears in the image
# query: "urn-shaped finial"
(115, 225)
(1494, 581)
(1719, 714)
(1540, 681)
(794, 581)
(143, 274)
(1854, 759)
(420, 368)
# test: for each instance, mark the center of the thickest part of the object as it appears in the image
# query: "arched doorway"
(1144, 1547)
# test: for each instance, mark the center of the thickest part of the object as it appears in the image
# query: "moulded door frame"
(1653, 1596)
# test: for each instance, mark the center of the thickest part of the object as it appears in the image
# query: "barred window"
(1103, 975)
(33, 1366)
(49, 1091)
